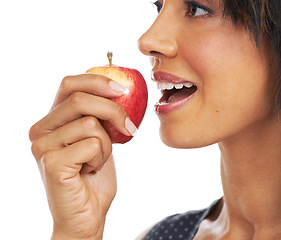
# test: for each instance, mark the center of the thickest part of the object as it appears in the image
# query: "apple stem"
(109, 56)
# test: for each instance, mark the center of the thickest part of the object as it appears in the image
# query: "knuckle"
(33, 132)
(66, 83)
(36, 148)
(76, 99)
(48, 161)
(90, 122)
(94, 144)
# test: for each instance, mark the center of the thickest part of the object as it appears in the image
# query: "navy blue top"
(182, 226)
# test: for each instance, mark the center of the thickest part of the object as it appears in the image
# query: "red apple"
(134, 103)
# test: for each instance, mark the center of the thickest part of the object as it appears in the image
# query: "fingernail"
(131, 128)
(117, 87)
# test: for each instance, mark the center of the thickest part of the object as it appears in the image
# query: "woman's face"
(191, 41)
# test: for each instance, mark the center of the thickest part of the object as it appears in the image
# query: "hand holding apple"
(73, 148)
(134, 101)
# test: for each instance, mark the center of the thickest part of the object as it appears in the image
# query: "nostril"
(154, 53)
(146, 46)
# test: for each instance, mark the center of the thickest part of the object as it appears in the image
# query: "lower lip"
(164, 108)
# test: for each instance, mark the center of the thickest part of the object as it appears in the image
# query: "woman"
(228, 55)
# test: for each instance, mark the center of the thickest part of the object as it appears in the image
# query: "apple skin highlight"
(134, 103)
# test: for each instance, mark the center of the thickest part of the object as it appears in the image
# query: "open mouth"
(175, 92)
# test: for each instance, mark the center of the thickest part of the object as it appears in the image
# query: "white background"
(40, 43)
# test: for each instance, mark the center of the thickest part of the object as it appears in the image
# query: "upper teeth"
(169, 86)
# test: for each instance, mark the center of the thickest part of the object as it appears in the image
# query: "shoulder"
(178, 226)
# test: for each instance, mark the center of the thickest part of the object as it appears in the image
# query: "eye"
(195, 9)
(158, 5)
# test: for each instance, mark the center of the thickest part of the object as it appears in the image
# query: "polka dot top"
(180, 226)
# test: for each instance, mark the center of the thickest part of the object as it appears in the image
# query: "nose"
(159, 40)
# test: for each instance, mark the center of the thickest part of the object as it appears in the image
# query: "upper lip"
(160, 76)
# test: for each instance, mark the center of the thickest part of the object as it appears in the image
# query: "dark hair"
(263, 19)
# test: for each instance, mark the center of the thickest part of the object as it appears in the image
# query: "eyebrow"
(212, 2)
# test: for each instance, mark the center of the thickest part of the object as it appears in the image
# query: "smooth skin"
(73, 152)
(232, 107)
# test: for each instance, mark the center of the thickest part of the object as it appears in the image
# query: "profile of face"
(191, 43)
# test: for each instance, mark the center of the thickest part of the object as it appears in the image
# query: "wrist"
(77, 233)
(59, 236)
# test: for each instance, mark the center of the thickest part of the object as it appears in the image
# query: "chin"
(177, 139)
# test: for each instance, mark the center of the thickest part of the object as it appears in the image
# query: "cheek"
(234, 91)
(231, 70)
(218, 52)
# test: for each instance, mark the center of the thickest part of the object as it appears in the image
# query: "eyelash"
(158, 5)
(193, 4)
(189, 5)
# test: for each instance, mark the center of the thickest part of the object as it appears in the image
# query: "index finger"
(91, 83)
